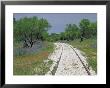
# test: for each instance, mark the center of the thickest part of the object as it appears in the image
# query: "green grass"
(48, 47)
(33, 63)
(18, 44)
(89, 46)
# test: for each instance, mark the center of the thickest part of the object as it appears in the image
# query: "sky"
(58, 21)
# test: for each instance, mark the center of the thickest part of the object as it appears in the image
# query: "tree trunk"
(25, 41)
(81, 39)
(31, 40)
(25, 44)
(31, 43)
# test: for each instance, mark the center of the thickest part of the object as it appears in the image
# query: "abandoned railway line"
(68, 60)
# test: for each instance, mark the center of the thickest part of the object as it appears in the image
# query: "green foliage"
(54, 37)
(87, 28)
(62, 36)
(84, 26)
(30, 29)
(72, 32)
(93, 29)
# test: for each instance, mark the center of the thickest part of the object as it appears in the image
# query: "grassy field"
(36, 63)
(89, 46)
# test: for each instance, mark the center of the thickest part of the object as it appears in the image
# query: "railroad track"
(66, 62)
(55, 68)
(86, 68)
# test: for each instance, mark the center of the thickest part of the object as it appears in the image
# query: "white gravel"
(69, 63)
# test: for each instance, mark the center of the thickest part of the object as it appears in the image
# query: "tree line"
(30, 30)
(85, 30)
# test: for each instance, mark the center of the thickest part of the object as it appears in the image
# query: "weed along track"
(68, 61)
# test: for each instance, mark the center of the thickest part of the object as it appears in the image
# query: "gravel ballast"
(66, 61)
